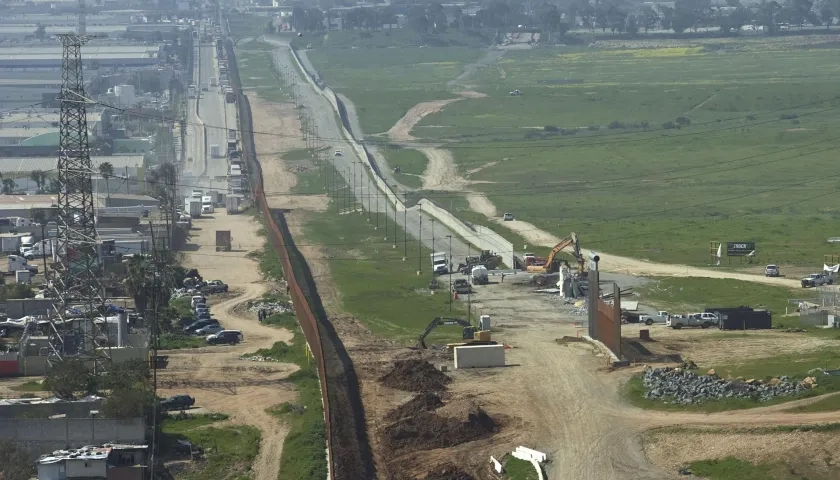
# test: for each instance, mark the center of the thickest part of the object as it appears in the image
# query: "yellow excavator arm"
(571, 240)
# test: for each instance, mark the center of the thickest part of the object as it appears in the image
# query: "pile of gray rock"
(256, 358)
(683, 387)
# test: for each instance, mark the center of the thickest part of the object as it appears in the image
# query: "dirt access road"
(215, 376)
(570, 404)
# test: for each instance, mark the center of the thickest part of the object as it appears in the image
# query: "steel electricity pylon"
(78, 325)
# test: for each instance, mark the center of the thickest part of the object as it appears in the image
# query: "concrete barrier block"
(480, 356)
(536, 455)
(497, 466)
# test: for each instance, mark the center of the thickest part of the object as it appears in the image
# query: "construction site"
(373, 333)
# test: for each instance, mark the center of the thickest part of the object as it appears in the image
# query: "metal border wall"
(348, 452)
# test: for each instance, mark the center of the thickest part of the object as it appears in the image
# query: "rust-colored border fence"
(348, 451)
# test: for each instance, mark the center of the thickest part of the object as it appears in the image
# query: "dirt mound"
(426, 431)
(425, 402)
(415, 376)
(448, 472)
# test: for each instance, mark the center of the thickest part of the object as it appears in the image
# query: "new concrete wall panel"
(480, 356)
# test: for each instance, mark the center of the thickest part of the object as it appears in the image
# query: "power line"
(530, 189)
(506, 144)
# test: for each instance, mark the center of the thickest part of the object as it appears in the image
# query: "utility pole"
(450, 271)
(420, 243)
(405, 225)
(369, 194)
(386, 216)
(75, 280)
(469, 294)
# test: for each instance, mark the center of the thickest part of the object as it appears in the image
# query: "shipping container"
(9, 368)
(742, 318)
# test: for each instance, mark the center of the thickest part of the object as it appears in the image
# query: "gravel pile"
(678, 386)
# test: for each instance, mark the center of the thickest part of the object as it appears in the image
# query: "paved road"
(195, 131)
(320, 111)
(208, 126)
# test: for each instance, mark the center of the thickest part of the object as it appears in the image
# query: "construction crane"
(550, 265)
(469, 329)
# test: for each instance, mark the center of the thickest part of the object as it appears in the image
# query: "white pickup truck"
(660, 317)
(439, 264)
(702, 320)
(817, 280)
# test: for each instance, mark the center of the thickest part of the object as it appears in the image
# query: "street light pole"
(386, 216)
(405, 225)
(368, 195)
(469, 280)
(450, 271)
(420, 243)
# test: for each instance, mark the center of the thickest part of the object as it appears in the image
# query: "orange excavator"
(552, 265)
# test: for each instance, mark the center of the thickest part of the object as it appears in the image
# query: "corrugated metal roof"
(28, 164)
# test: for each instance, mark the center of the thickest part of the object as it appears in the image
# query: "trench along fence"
(306, 319)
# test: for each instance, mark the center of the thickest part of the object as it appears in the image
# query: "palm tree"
(39, 177)
(107, 171)
(137, 281)
(9, 186)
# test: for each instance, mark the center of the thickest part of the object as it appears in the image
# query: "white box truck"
(213, 82)
(192, 207)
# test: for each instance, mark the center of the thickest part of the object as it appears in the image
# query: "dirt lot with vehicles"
(215, 376)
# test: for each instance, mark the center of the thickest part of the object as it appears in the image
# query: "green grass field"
(229, 450)
(731, 468)
(680, 295)
(392, 300)
(412, 164)
(752, 160)
(384, 83)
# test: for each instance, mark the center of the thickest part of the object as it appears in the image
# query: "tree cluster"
(618, 16)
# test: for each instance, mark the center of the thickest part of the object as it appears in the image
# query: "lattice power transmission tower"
(76, 289)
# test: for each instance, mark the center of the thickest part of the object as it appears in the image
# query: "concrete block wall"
(480, 356)
(70, 409)
(43, 435)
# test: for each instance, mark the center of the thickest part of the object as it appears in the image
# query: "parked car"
(338, 153)
(771, 271)
(216, 286)
(461, 286)
(508, 217)
(178, 402)
(203, 316)
(231, 337)
(209, 329)
(196, 299)
(200, 310)
(199, 324)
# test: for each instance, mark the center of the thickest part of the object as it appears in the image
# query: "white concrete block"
(536, 455)
(522, 456)
(497, 465)
(480, 356)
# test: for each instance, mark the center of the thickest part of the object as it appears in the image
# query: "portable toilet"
(484, 322)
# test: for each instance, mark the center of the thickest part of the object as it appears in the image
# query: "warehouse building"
(104, 56)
